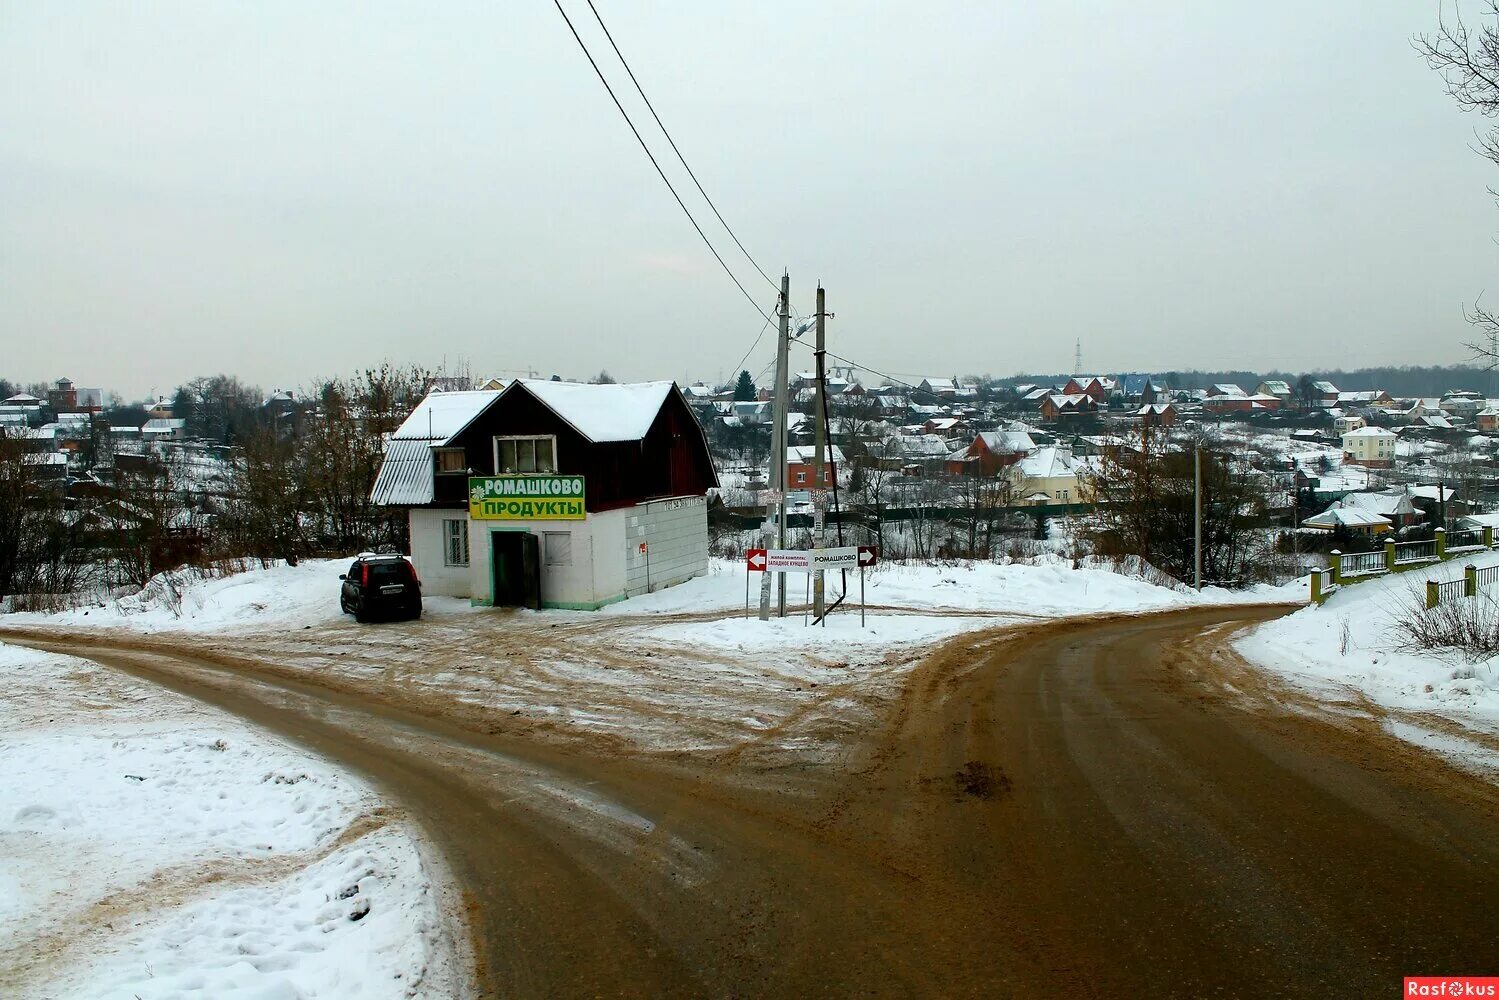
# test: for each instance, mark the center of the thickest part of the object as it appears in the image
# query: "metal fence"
(1362, 563)
(1468, 538)
(1487, 576)
(1438, 592)
(1409, 552)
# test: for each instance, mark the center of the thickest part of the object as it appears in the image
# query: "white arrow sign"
(837, 558)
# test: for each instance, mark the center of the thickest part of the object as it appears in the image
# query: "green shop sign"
(526, 498)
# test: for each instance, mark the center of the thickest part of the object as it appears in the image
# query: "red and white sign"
(809, 560)
(644, 548)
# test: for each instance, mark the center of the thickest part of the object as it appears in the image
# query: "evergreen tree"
(744, 389)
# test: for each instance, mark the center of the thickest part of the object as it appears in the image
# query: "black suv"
(384, 586)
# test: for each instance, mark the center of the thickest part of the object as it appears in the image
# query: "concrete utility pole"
(783, 376)
(819, 511)
(775, 534)
(1197, 516)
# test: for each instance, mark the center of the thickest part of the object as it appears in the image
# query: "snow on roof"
(1430, 492)
(1348, 517)
(1479, 520)
(1277, 386)
(939, 383)
(1369, 432)
(442, 414)
(1325, 388)
(1226, 389)
(803, 454)
(23, 399)
(1047, 463)
(601, 413)
(1007, 442)
(1386, 502)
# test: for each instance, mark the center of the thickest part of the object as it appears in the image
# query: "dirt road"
(1114, 807)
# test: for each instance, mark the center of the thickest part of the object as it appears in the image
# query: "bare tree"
(1144, 495)
(1467, 57)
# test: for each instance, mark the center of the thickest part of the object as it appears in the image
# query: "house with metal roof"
(552, 494)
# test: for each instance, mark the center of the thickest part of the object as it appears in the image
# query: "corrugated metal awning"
(406, 474)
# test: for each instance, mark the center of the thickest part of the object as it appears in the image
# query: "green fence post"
(1488, 537)
(1433, 594)
(1316, 586)
(1389, 555)
(1470, 580)
(1337, 566)
(1441, 543)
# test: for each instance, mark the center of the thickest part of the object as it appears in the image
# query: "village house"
(801, 472)
(1278, 388)
(1324, 394)
(1371, 447)
(1462, 404)
(552, 494)
(1352, 519)
(990, 452)
(1092, 386)
(1139, 388)
(1365, 399)
(1156, 415)
(1345, 423)
(1062, 406)
(1394, 505)
(1046, 476)
(1488, 420)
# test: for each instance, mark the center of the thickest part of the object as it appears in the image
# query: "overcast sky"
(285, 190)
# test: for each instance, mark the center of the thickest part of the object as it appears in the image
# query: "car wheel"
(361, 616)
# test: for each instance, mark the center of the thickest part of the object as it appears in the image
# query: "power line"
(758, 337)
(641, 91)
(863, 367)
(667, 181)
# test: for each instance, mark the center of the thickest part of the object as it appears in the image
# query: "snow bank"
(1049, 587)
(151, 847)
(280, 595)
(306, 595)
(1345, 650)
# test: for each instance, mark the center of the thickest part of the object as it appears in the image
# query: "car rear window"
(390, 572)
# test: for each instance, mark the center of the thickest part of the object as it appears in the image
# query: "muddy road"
(1107, 807)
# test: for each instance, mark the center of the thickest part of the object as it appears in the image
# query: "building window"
(801, 477)
(451, 460)
(454, 542)
(525, 455)
(558, 546)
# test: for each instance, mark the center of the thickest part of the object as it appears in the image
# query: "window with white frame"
(558, 548)
(451, 460)
(525, 455)
(454, 542)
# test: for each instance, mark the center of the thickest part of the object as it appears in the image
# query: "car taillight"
(415, 576)
(364, 574)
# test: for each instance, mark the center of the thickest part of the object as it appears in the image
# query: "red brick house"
(1056, 407)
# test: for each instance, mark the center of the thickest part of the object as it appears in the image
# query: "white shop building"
(552, 494)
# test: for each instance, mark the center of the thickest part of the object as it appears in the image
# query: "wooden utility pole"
(775, 534)
(819, 509)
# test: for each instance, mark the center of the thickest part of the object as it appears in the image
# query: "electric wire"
(666, 180)
(641, 91)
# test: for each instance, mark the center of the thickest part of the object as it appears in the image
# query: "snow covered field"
(1345, 653)
(152, 847)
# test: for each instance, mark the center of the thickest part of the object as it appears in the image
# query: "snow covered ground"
(152, 847)
(1345, 652)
